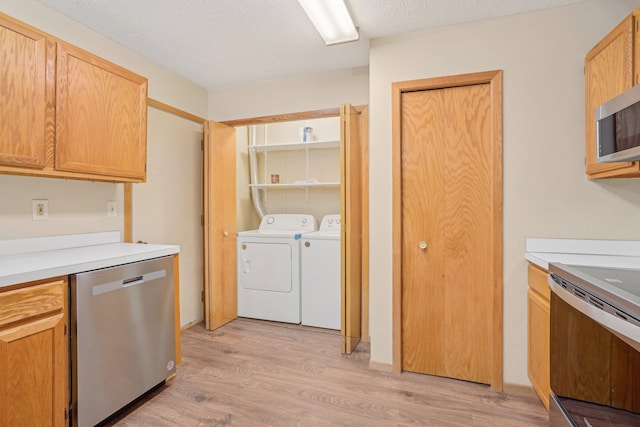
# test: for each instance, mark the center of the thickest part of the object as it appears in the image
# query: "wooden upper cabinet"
(609, 71)
(101, 116)
(65, 113)
(23, 84)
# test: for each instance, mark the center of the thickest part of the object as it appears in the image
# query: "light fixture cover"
(332, 20)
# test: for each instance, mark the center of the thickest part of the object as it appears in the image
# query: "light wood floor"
(255, 373)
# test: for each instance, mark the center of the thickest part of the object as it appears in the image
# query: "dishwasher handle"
(104, 288)
(132, 281)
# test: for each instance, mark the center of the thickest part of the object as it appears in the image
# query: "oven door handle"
(624, 330)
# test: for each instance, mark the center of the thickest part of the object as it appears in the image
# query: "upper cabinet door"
(608, 73)
(101, 123)
(22, 95)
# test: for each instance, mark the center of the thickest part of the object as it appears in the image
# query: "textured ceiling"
(222, 43)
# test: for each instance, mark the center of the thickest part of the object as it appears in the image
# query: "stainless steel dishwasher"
(122, 341)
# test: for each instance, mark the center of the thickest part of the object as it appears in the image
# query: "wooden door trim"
(494, 79)
(364, 182)
(175, 111)
(288, 117)
(363, 111)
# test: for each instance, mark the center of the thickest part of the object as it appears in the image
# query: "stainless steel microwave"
(618, 128)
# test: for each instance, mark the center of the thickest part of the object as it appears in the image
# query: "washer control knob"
(270, 220)
(304, 220)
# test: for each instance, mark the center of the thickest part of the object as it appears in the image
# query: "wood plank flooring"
(255, 373)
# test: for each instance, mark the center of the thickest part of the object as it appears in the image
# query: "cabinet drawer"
(31, 301)
(537, 278)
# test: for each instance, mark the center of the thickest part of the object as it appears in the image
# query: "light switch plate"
(40, 209)
(112, 209)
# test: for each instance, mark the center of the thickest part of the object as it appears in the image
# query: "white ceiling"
(222, 43)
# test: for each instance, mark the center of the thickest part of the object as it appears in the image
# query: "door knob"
(422, 245)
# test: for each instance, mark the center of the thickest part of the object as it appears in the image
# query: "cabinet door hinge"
(202, 144)
(66, 414)
(202, 296)
(65, 329)
(201, 220)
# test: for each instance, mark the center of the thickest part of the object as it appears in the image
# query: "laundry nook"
(288, 270)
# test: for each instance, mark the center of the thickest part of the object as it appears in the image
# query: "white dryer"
(269, 268)
(321, 275)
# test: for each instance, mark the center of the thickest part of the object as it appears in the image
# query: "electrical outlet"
(112, 209)
(40, 209)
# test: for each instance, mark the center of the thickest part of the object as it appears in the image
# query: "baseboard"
(519, 389)
(509, 388)
(191, 325)
(380, 366)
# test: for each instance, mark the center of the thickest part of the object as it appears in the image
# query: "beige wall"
(305, 93)
(546, 193)
(167, 208)
(68, 213)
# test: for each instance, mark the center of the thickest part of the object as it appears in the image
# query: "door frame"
(494, 79)
(363, 111)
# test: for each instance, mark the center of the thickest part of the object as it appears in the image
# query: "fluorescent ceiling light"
(332, 20)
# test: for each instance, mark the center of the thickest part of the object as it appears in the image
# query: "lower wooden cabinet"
(34, 354)
(538, 327)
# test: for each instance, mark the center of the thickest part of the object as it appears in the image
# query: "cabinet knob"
(422, 245)
(225, 233)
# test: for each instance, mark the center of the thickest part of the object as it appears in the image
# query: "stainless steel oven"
(595, 346)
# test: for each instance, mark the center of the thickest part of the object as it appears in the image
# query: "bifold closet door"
(221, 293)
(351, 233)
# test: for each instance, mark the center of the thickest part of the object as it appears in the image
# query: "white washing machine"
(269, 267)
(321, 275)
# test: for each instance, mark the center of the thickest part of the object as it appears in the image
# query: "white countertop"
(597, 253)
(40, 258)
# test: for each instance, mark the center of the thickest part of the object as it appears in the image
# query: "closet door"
(221, 293)
(351, 220)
